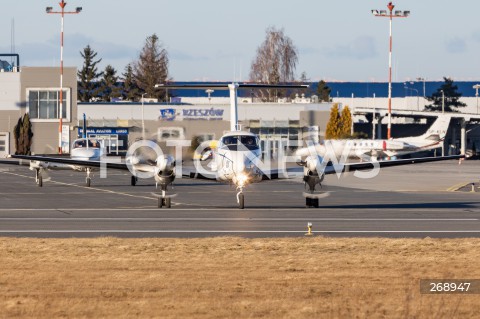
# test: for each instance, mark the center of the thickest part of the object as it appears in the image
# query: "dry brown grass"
(234, 278)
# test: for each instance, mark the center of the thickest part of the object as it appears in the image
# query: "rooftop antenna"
(234, 70)
(12, 42)
(241, 78)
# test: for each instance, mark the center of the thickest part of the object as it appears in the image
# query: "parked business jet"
(363, 148)
(237, 158)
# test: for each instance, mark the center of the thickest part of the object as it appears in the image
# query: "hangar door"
(4, 144)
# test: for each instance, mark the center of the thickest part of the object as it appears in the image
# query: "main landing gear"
(88, 180)
(163, 200)
(38, 177)
(311, 200)
(133, 180)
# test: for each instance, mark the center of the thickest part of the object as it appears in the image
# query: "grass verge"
(234, 277)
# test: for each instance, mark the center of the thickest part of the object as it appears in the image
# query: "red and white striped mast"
(60, 115)
(390, 15)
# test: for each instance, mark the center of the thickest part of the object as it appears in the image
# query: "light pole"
(143, 116)
(49, 10)
(476, 87)
(390, 15)
(209, 91)
(411, 90)
(443, 101)
(423, 79)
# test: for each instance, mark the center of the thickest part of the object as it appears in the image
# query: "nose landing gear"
(240, 198)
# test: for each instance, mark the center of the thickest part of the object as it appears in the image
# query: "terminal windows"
(44, 103)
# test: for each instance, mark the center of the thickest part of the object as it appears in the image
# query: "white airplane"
(237, 158)
(86, 156)
(363, 148)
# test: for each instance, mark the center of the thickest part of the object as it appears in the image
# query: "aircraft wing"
(9, 162)
(191, 172)
(292, 172)
(69, 161)
(221, 86)
(349, 167)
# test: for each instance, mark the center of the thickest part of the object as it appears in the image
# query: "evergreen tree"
(451, 95)
(346, 123)
(323, 91)
(17, 132)
(23, 135)
(130, 88)
(334, 128)
(303, 78)
(152, 68)
(108, 85)
(88, 75)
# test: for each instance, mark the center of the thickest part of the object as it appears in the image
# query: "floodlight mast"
(49, 10)
(391, 15)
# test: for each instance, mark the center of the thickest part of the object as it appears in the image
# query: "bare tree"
(275, 62)
(152, 67)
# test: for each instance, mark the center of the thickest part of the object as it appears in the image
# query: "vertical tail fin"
(438, 130)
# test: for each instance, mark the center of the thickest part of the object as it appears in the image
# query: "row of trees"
(138, 78)
(275, 62)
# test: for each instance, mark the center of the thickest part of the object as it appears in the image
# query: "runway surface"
(409, 201)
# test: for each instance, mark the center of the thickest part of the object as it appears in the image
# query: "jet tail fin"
(438, 130)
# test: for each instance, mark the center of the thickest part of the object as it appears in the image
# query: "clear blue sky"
(217, 39)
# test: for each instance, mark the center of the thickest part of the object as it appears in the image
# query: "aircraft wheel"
(40, 181)
(88, 181)
(133, 181)
(241, 201)
(311, 202)
(168, 202)
(160, 202)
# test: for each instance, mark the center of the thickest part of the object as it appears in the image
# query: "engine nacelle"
(165, 170)
(312, 163)
(165, 165)
(393, 145)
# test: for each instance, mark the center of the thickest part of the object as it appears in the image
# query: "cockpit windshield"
(249, 141)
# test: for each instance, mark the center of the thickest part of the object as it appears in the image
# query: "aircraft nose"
(239, 166)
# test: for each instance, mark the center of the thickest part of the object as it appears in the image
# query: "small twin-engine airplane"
(87, 156)
(362, 148)
(237, 158)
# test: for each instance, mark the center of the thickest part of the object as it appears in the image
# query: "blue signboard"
(191, 114)
(104, 130)
(167, 114)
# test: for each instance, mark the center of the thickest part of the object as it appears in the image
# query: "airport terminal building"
(280, 125)
(36, 90)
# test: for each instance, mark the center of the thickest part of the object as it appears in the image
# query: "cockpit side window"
(80, 144)
(230, 140)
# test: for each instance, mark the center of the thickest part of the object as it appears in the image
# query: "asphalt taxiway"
(432, 199)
